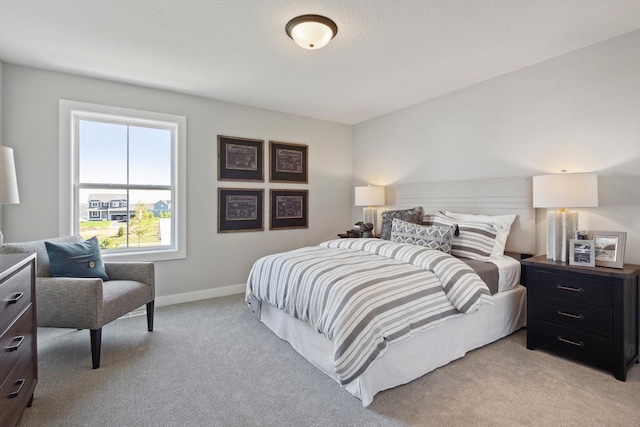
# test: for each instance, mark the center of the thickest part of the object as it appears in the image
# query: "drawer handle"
(20, 384)
(18, 341)
(569, 288)
(14, 299)
(573, 316)
(577, 344)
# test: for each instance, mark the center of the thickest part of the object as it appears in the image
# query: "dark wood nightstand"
(18, 359)
(588, 314)
(348, 236)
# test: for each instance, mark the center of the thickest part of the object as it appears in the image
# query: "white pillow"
(501, 222)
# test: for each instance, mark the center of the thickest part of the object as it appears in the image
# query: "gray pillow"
(413, 215)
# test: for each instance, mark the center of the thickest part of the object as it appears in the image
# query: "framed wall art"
(288, 162)
(582, 252)
(240, 159)
(240, 209)
(289, 209)
(609, 247)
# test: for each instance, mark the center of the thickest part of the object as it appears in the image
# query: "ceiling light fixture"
(311, 31)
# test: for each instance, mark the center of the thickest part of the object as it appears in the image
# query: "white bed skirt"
(409, 359)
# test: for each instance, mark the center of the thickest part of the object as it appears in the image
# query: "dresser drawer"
(573, 287)
(16, 391)
(573, 315)
(15, 296)
(575, 343)
(16, 343)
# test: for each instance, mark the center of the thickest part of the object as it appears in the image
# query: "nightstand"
(349, 235)
(589, 314)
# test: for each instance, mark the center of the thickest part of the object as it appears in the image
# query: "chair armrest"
(69, 302)
(139, 271)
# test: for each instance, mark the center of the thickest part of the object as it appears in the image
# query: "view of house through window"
(124, 182)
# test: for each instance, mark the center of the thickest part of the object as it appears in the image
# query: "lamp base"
(369, 215)
(560, 229)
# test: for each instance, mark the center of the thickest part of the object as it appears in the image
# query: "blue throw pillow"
(82, 259)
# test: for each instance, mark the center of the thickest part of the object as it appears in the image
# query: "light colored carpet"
(210, 363)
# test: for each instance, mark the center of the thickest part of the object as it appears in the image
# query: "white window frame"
(69, 113)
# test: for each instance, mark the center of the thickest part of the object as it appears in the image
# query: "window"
(120, 164)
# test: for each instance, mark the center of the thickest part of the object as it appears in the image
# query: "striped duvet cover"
(366, 294)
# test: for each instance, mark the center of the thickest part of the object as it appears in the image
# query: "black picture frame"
(240, 209)
(288, 162)
(240, 159)
(289, 209)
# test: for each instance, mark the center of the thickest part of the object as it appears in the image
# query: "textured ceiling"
(388, 54)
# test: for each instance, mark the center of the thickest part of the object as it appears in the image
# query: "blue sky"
(103, 154)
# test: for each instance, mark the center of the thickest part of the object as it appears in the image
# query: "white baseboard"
(200, 295)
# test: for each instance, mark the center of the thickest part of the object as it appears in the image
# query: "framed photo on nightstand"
(609, 246)
(582, 252)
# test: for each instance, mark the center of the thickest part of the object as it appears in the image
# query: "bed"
(398, 358)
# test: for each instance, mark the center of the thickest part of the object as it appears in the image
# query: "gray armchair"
(81, 303)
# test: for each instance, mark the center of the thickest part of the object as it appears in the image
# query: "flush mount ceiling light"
(311, 31)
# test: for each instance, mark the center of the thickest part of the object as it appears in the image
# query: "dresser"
(589, 314)
(18, 355)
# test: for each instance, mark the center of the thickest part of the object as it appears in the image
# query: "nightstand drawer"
(16, 343)
(573, 287)
(574, 343)
(584, 317)
(15, 296)
(16, 391)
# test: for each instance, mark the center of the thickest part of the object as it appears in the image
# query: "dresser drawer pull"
(577, 344)
(569, 288)
(20, 384)
(17, 340)
(15, 298)
(573, 316)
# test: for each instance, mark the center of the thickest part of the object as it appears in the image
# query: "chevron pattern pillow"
(435, 237)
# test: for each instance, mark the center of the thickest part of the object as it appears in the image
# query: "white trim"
(67, 169)
(200, 295)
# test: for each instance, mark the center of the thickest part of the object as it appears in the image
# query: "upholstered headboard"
(495, 196)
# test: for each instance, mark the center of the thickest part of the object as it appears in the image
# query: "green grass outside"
(109, 230)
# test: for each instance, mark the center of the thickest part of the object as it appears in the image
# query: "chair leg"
(96, 342)
(150, 308)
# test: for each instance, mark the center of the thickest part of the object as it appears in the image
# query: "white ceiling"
(388, 54)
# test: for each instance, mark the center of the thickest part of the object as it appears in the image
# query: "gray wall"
(214, 261)
(578, 112)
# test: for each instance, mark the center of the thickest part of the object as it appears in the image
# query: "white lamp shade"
(8, 181)
(565, 190)
(369, 196)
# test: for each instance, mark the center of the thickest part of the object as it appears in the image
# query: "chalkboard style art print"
(289, 209)
(288, 162)
(240, 159)
(240, 209)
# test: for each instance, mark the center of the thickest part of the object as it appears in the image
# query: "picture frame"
(609, 247)
(240, 159)
(289, 209)
(240, 209)
(582, 252)
(288, 162)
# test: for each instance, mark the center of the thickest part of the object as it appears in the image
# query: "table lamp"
(8, 181)
(560, 191)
